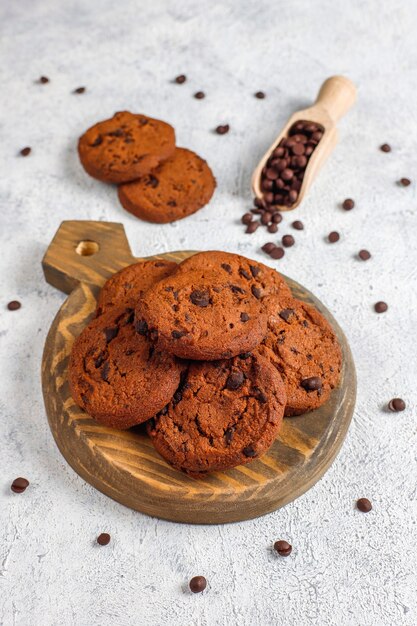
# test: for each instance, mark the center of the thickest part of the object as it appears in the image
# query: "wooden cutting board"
(124, 465)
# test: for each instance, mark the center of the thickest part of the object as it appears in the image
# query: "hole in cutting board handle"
(87, 248)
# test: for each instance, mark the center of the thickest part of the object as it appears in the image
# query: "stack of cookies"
(157, 181)
(211, 353)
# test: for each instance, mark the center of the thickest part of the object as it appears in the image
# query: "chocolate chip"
(152, 181)
(364, 255)
(277, 218)
(97, 141)
(228, 434)
(249, 451)
(244, 273)
(254, 270)
(396, 404)
(245, 355)
(99, 360)
(227, 268)
(277, 253)
(111, 333)
(25, 151)
(103, 539)
(311, 384)
(252, 227)
(200, 298)
(364, 505)
(79, 90)
(244, 317)
(273, 228)
(298, 225)
(177, 334)
(260, 396)
(247, 218)
(43, 80)
(14, 305)
(285, 314)
(141, 327)
(385, 147)
(180, 79)
(348, 204)
(104, 373)
(19, 485)
(198, 584)
(256, 292)
(236, 289)
(404, 182)
(288, 241)
(283, 547)
(260, 95)
(268, 247)
(235, 380)
(222, 129)
(381, 307)
(333, 236)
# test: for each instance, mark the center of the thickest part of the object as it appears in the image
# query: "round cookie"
(117, 375)
(180, 186)
(301, 344)
(203, 315)
(225, 413)
(125, 287)
(238, 267)
(125, 147)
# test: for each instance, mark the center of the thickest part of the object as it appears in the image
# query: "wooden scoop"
(337, 94)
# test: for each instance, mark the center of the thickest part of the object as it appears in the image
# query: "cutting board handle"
(84, 251)
(337, 94)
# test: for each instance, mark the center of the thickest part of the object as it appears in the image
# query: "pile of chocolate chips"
(283, 173)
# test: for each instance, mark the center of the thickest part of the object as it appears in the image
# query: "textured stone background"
(346, 568)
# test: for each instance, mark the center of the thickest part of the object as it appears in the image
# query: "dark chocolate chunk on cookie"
(219, 418)
(125, 147)
(117, 375)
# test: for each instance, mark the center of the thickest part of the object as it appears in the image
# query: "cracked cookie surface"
(125, 147)
(117, 375)
(125, 287)
(180, 186)
(301, 344)
(203, 315)
(224, 413)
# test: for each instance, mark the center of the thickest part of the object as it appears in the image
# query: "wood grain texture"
(124, 465)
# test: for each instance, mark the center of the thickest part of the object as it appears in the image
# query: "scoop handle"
(337, 94)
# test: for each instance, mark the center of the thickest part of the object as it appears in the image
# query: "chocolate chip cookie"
(255, 275)
(180, 186)
(125, 147)
(224, 413)
(125, 287)
(203, 315)
(301, 344)
(117, 375)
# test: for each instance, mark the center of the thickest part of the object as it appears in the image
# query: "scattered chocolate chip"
(25, 151)
(234, 380)
(256, 292)
(104, 373)
(152, 181)
(254, 270)
(200, 298)
(385, 147)
(103, 539)
(260, 95)
(228, 434)
(311, 384)
(197, 584)
(111, 333)
(177, 334)
(222, 129)
(199, 95)
(19, 485)
(404, 182)
(364, 255)
(180, 79)
(381, 307)
(252, 227)
(348, 204)
(141, 327)
(288, 241)
(277, 253)
(273, 228)
(268, 247)
(244, 273)
(249, 451)
(14, 305)
(245, 355)
(247, 218)
(244, 317)
(285, 314)
(266, 218)
(364, 505)
(298, 225)
(277, 218)
(97, 141)
(98, 362)
(396, 404)
(79, 90)
(227, 268)
(43, 80)
(333, 236)
(283, 547)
